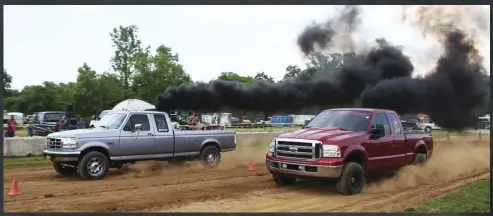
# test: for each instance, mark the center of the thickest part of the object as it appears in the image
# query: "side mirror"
(137, 127)
(377, 131)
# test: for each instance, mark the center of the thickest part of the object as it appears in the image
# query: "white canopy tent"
(133, 105)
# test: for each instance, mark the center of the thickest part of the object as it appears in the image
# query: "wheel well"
(215, 144)
(421, 150)
(357, 157)
(96, 148)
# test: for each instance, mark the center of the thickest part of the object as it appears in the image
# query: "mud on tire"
(210, 156)
(94, 166)
(64, 170)
(352, 179)
(283, 180)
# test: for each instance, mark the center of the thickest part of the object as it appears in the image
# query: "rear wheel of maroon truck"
(352, 179)
(419, 159)
(283, 180)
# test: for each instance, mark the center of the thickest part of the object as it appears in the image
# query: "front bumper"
(307, 170)
(61, 156)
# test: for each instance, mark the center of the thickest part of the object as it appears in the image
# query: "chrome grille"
(298, 149)
(53, 143)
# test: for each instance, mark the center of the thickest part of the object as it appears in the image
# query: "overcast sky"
(49, 43)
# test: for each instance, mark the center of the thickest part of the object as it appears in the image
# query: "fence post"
(448, 136)
(479, 135)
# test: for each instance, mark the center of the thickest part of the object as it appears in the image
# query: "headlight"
(331, 151)
(69, 142)
(272, 145)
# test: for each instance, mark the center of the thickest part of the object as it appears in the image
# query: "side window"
(161, 123)
(395, 123)
(37, 117)
(381, 118)
(137, 119)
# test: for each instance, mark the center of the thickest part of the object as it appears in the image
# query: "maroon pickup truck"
(347, 145)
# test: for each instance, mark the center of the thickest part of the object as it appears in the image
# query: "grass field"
(474, 198)
(25, 161)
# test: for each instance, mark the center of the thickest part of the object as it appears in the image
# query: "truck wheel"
(419, 159)
(64, 170)
(282, 180)
(210, 156)
(93, 166)
(427, 129)
(352, 179)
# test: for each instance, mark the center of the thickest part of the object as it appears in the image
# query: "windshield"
(53, 117)
(112, 120)
(343, 119)
(103, 113)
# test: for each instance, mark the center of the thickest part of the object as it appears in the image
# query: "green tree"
(7, 81)
(263, 76)
(231, 76)
(292, 71)
(127, 51)
(164, 72)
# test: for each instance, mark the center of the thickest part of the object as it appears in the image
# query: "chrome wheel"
(95, 166)
(212, 157)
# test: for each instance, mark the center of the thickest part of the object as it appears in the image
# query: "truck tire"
(210, 156)
(64, 170)
(94, 166)
(352, 179)
(427, 129)
(283, 180)
(419, 159)
(29, 132)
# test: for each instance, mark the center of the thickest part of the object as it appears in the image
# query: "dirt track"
(157, 187)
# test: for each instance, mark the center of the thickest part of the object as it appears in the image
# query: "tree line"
(138, 71)
(141, 72)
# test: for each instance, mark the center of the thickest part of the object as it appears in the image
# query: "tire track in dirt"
(155, 186)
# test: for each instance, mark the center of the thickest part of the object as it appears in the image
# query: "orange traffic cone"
(251, 166)
(14, 189)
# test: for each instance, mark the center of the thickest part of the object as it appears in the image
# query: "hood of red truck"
(325, 135)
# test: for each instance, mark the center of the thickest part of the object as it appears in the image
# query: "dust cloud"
(450, 160)
(249, 148)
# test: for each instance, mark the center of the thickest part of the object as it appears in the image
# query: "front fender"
(92, 144)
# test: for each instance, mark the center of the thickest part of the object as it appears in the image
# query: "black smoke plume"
(382, 79)
(451, 91)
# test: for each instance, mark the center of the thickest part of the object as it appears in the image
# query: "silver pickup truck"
(129, 136)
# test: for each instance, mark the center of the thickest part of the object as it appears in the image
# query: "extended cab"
(347, 145)
(129, 136)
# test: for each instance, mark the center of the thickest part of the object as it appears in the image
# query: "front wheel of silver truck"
(93, 166)
(63, 169)
(352, 179)
(210, 156)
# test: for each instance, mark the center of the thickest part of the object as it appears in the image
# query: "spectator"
(11, 126)
(82, 124)
(58, 125)
(64, 125)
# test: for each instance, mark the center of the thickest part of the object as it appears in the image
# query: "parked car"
(43, 123)
(130, 136)
(347, 145)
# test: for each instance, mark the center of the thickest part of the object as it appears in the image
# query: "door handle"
(111, 143)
